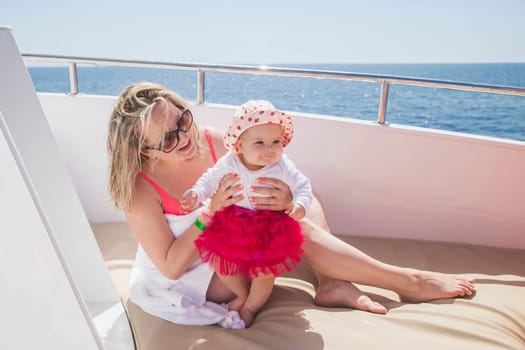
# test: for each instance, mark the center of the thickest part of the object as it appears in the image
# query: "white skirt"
(181, 301)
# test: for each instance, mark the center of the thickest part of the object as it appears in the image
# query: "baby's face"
(260, 146)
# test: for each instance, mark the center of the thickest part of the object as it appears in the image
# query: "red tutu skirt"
(248, 242)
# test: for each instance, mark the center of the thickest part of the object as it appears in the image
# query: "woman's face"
(176, 131)
(260, 146)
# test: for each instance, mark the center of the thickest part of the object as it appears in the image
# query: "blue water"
(476, 113)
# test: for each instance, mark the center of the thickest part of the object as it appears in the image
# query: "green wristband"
(199, 225)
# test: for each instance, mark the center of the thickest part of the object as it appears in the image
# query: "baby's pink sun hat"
(257, 112)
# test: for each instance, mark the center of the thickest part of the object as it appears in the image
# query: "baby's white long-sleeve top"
(284, 170)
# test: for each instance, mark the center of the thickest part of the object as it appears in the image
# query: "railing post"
(73, 79)
(383, 101)
(200, 86)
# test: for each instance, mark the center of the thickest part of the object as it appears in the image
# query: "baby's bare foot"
(433, 285)
(247, 316)
(336, 293)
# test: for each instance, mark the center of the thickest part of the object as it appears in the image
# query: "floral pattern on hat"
(257, 112)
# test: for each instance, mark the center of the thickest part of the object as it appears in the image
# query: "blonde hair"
(130, 118)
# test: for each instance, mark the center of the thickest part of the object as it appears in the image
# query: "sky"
(272, 31)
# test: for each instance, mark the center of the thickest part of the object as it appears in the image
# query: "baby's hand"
(296, 211)
(188, 202)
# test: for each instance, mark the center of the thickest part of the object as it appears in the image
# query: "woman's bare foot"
(428, 286)
(337, 293)
(247, 316)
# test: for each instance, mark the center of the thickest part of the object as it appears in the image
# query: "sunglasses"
(171, 137)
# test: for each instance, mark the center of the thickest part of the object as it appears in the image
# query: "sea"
(484, 114)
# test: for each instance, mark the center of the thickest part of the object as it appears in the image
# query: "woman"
(157, 153)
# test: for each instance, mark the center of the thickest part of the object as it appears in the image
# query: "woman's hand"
(227, 193)
(277, 195)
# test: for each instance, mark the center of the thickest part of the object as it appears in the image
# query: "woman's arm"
(146, 218)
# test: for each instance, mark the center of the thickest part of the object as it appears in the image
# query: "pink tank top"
(171, 205)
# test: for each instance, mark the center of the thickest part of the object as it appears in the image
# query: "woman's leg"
(323, 251)
(334, 292)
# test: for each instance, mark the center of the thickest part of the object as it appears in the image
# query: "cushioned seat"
(493, 319)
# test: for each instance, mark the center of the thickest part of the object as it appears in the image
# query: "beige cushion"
(493, 319)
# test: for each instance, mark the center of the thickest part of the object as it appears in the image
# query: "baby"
(249, 247)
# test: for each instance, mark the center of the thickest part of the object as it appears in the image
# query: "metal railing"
(202, 68)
